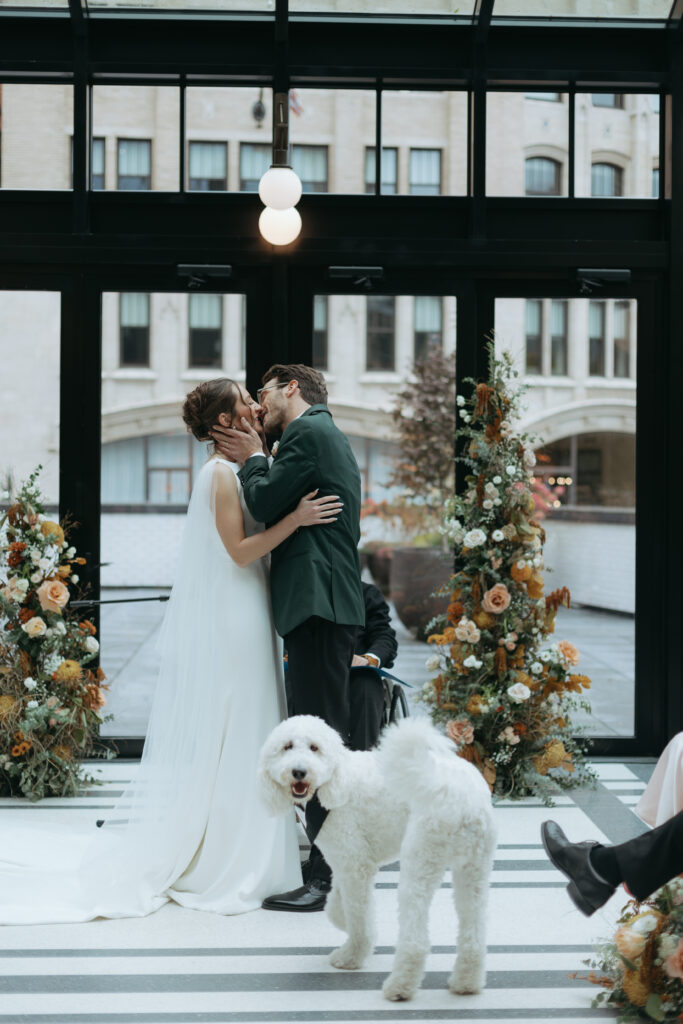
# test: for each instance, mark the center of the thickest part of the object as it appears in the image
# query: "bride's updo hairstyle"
(203, 405)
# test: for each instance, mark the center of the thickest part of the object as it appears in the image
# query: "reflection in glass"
(149, 463)
(580, 407)
(428, 325)
(428, 130)
(584, 9)
(255, 159)
(527, 144)
(35, 141)
(140, 129)
(329, 132)
(208, 167)
(379, 336)
(134, 329)
(310, 163)
(389, 183)
(29, 394)
(617, 144)
(320, 332)
(97, 170)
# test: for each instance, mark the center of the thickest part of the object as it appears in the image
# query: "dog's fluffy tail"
(410, 753)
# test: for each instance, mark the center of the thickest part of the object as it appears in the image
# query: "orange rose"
(520, 573)
(53, 595)
(568, 652)
(496, 600)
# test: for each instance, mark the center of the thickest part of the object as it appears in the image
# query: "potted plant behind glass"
(424, 414)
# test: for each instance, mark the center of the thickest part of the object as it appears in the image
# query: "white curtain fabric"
(558, 318)
(134, 309)
(205, 311)
(255, 159)
(428, 313)
(310, 163)
(208, 160)
(134, 157)
(425, 167)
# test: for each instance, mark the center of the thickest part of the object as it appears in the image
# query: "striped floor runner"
(179, 966)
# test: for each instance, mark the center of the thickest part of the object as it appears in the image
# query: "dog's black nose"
(298, 774)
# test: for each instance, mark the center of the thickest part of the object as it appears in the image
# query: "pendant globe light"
(280, 187)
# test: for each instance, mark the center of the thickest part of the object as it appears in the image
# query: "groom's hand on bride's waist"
(238, 444)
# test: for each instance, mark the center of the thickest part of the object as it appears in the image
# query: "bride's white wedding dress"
(191, 827)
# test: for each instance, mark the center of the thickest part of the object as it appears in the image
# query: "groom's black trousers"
(652, 859)
(319, 656)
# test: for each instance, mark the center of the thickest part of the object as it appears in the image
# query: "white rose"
(505, 428)
(536, 668)
(490, 491)
(497, 480)
(60, 628)
(74, 578)
(91, 645)
(465, 418)
(30, 683)
(35, 626)
(44, 564)
(518, 693)
(529, 458)
(545, 656)
(498, 535)
(433, 663)
(510, 470)
(32, 704)
(472, 662)
(36, 577)
(70, 552)
(16, 589)
(497, 501)
(474, 538)
(487, 504)
(460, 401)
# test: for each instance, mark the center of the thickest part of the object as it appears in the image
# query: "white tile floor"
(179, 966)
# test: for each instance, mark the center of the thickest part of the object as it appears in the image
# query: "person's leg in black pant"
(367, 708)
(647, 862)
(319, 656)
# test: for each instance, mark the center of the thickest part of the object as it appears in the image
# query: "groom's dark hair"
(311, 382)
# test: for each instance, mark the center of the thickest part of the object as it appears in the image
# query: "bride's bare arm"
(243, 550)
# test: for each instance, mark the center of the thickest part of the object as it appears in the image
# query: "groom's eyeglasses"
(268, 388)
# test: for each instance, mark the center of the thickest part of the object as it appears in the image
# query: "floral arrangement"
(50, 703)
(503, 695)
(642, 967)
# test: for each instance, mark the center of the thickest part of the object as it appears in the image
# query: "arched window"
(542, 176)
(607, 180)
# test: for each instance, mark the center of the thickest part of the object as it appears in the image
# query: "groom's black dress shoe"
(587, 889)
(308, 897)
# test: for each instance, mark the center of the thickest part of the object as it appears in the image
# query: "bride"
(190, 828)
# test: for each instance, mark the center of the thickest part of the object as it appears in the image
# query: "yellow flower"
(48, 528)
(534, 586)
(636, 990)
(61, 751)
(553, 756)
(474, 704)
(68, 672)
(6, 706)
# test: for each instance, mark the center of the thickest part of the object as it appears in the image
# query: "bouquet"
(642, 967)
(50, 701)
(503, 693)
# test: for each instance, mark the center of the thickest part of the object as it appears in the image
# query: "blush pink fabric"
(663, 796)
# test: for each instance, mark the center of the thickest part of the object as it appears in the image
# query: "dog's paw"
(466, 982)
(397, 989)
(346, 959)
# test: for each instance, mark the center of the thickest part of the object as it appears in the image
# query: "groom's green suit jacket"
(316, 571)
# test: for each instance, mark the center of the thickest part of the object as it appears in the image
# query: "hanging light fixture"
(280, 187)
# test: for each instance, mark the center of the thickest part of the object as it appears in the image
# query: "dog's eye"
(314, 748)
(288, 746)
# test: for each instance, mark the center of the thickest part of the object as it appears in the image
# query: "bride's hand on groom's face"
(238, 443)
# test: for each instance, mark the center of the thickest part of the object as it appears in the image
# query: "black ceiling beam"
(143, 44)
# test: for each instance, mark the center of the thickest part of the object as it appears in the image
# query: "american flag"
(295, 104)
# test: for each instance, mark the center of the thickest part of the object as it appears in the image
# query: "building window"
(654, 103)
(207, 167)
(655, 182)
(622, 360)
(558, 337)
(425, 172)
(255, 159)
(134, 164)
(596, 339)
(615, 100)
(389, 185)
(542, 176)
(169, 472)
(550, 97)
(310, 163)
(133, 329)
(97, 166)
(607, 180)
(428, 325)
(381, 316)
(320, 332)
(205, 318)
(534, 336)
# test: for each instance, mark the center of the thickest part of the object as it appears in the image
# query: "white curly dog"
(412, 797)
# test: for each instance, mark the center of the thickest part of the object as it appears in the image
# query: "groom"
(315, 574)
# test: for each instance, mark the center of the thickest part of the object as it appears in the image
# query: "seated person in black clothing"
(594, 871)
(376, 647)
